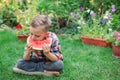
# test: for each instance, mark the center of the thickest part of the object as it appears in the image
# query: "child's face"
(37, 33)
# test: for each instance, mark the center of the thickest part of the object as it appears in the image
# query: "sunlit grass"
(81, 62)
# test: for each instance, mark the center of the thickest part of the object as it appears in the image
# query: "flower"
(21, 30)
(113, 37)
(113, 8)
(117, 38)
(102, 21)
(19, 26)
(73, 15)
(116, 33)
(95, 25)
(81, 8)
(92, 13)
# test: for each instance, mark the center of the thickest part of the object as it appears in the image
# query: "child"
(47, 62)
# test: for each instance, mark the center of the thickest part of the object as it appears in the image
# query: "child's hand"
(28, 48)
(46, 48)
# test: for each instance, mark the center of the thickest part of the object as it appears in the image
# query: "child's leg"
(27, 65)
(40, 66)
(56, 73)
(53, 68)
(47, 67)
(53, 65)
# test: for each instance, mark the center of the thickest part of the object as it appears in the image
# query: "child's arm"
(51, 56)
(48, 54)
(27, 53)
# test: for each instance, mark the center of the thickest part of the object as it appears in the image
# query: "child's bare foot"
(56, 73)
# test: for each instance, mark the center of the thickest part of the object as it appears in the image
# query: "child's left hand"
(46, 48)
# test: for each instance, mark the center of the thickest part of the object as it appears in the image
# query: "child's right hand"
(28, 48)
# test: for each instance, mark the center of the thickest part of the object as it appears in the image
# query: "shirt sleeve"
(55, 47)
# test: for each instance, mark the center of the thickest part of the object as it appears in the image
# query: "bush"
(7, 14)
(61, 11)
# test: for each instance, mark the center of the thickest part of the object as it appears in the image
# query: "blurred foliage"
(7, 14)
(22, 4)
(58, 10)
(103, 5)
(8, 9)
(61, 10)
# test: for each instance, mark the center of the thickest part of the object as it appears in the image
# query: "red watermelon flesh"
(37, 44)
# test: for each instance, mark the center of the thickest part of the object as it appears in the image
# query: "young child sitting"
(49, 61)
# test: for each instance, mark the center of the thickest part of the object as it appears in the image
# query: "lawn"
(81, 62)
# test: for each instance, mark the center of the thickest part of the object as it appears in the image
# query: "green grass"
(81, 62)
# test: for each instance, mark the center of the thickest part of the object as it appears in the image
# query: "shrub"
(96, 26)
(7, 14)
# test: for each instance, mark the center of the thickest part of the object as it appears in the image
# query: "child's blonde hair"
(41, 21)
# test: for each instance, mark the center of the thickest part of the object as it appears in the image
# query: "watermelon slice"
(37, 44)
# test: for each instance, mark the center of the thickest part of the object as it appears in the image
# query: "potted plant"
(95, 28)
(22, 32)
(115, 39)
(24, 18)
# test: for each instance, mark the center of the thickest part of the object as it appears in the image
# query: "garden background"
(81, 61)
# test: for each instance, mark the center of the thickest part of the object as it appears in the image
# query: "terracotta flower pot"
(116, 51)
(22, 37)
(95, 41)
